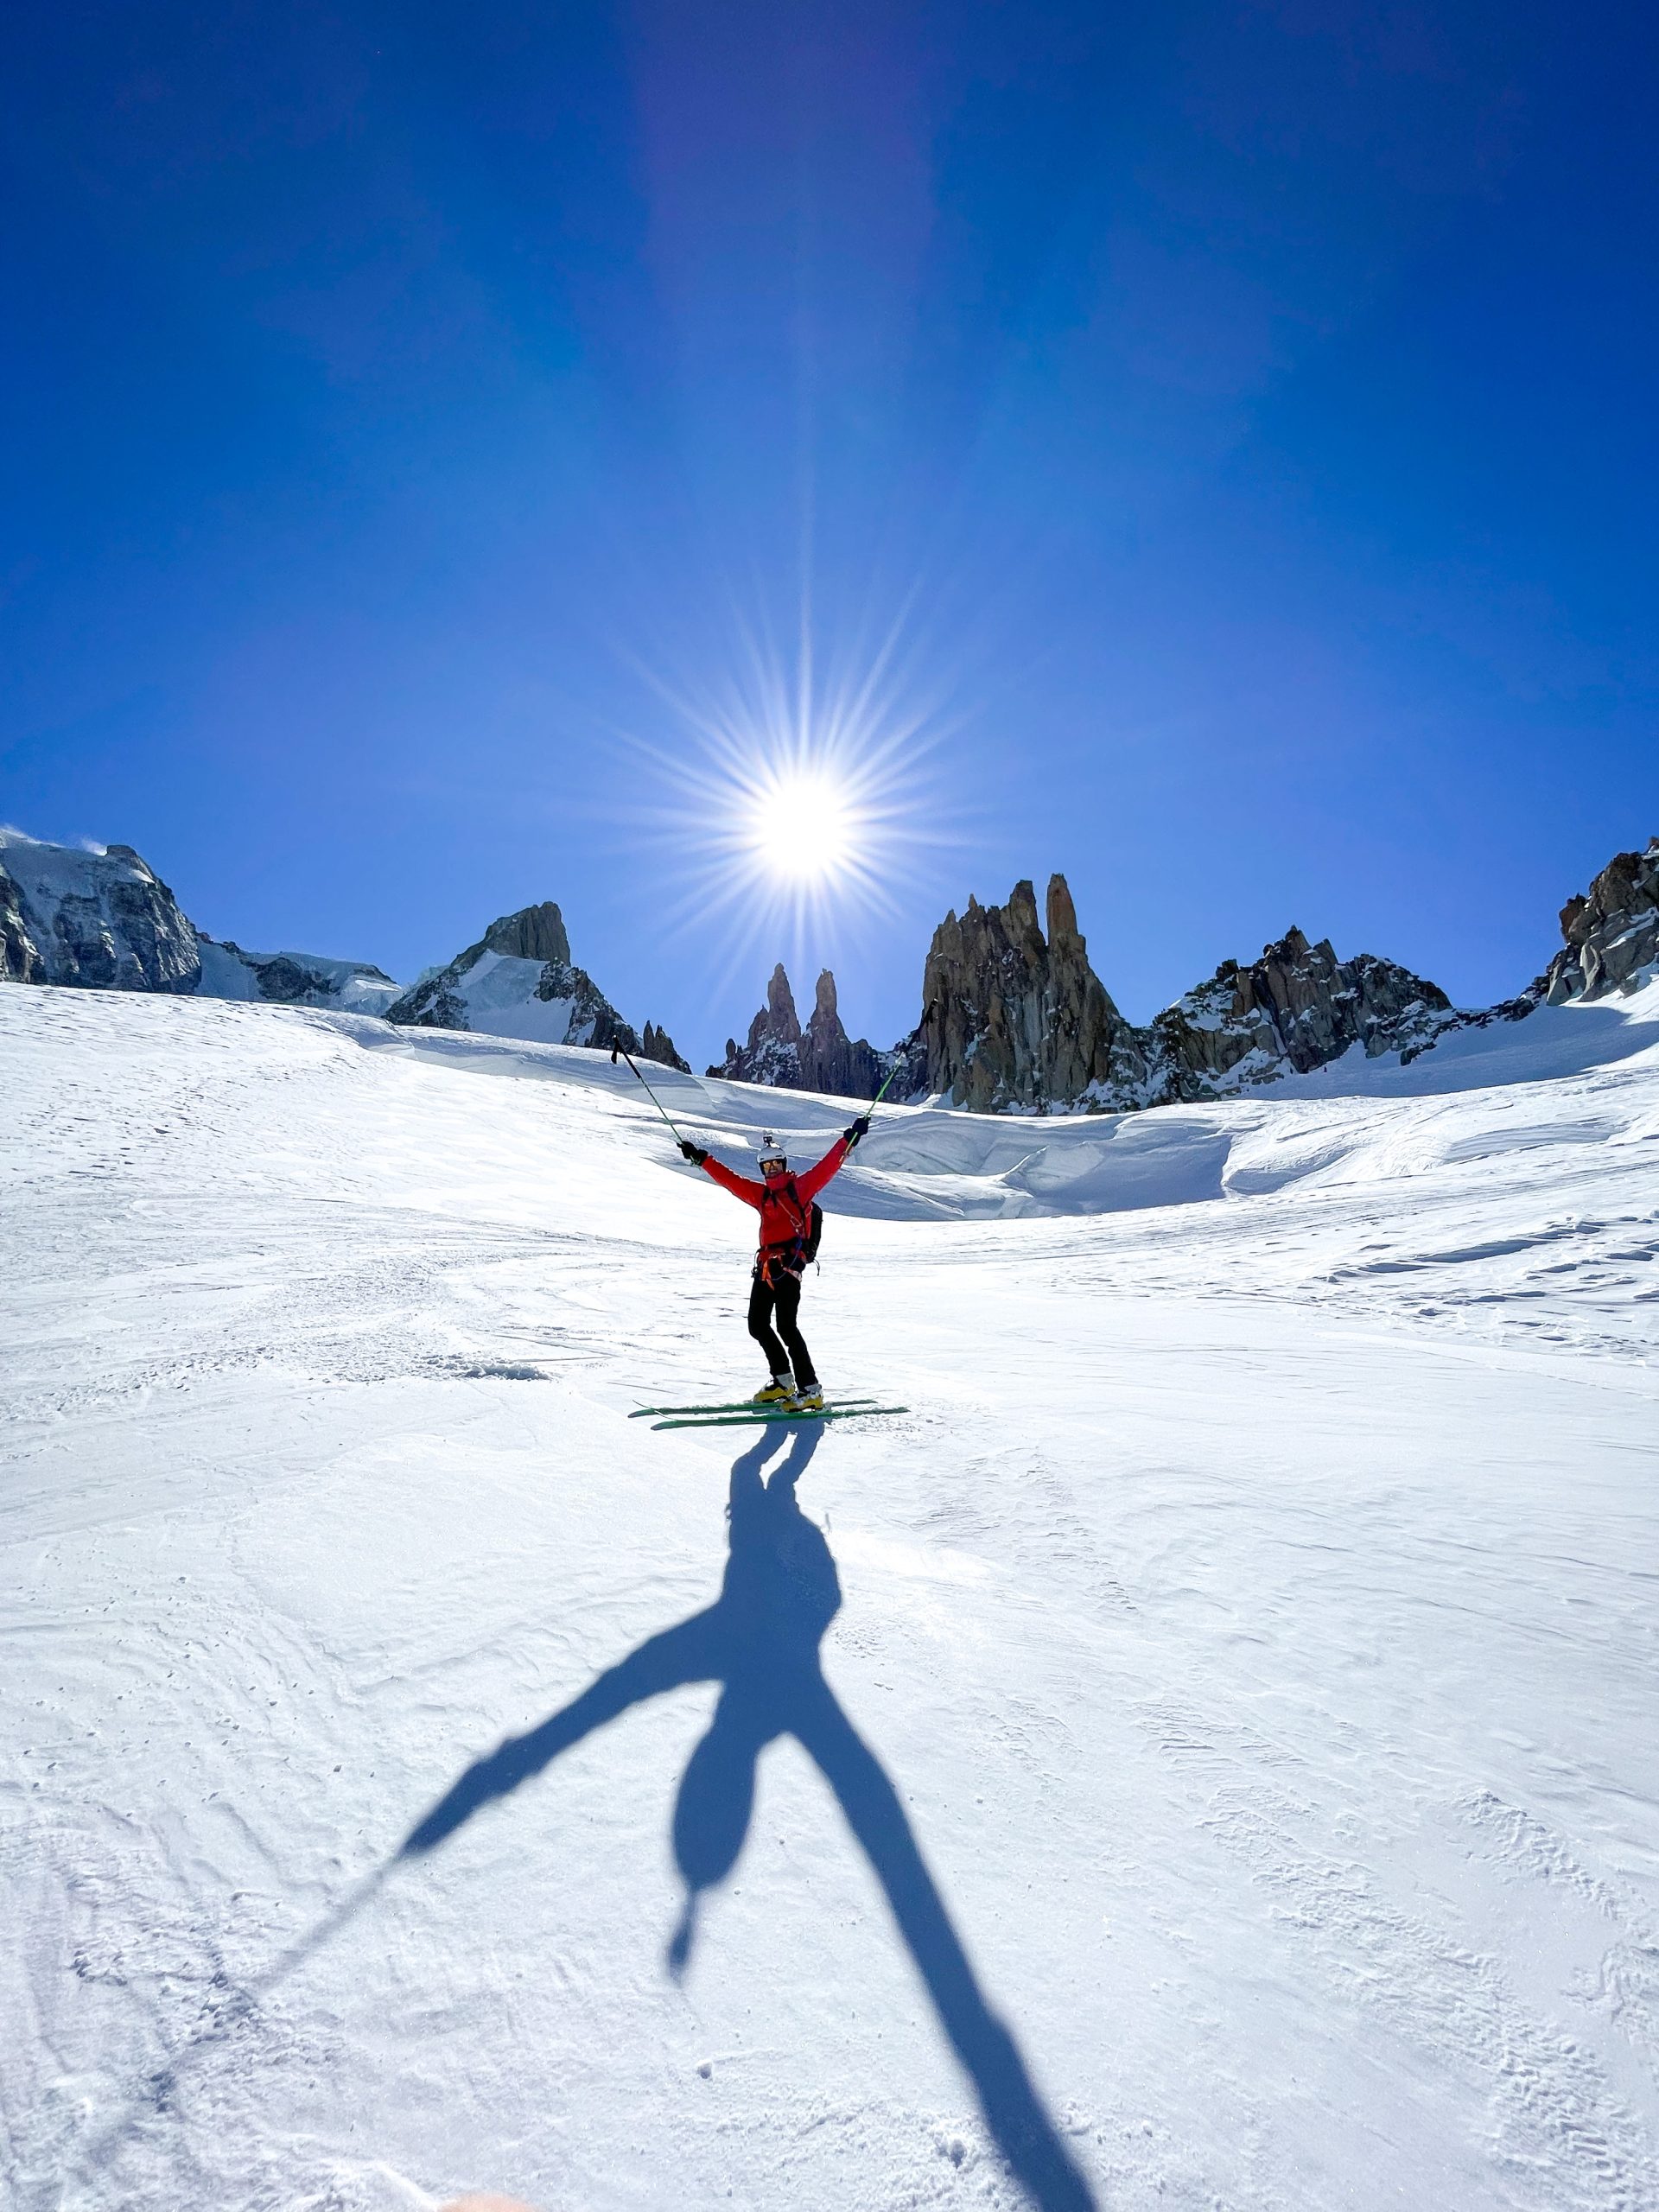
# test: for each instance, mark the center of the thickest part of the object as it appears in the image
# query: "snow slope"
(498, 995)
(1205, 1748)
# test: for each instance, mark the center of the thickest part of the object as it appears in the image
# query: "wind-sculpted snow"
(1546, 1175)
(1202, 1754)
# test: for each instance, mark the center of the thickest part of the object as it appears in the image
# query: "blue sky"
(1234, 424)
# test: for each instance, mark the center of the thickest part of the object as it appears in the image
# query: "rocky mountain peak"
(1610, 932)
(533, 933)
(99, 920)
(821, 1057)
(779, 1019)
(519, 981)
(1062, 914)
(1018, 1021)
(773, 1054)
(1015, 1020)
(1296, 1008)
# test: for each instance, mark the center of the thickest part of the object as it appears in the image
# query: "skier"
(784, 1203)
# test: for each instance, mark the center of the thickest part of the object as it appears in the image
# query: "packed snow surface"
(1202, 1754)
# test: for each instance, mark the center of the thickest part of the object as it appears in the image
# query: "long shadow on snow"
(760, 1640)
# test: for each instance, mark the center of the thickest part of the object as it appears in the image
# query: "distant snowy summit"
(519, 981)
(1016, 1020)
(97, 919)
(293, 979)
(101, 920)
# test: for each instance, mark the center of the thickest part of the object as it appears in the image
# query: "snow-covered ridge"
(1015, 1020)
(293, 979)
(99, 918)
(519, 981)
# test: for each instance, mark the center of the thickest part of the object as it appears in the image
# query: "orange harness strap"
(769, 1253)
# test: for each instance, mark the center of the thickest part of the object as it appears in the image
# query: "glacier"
(1242, 1649)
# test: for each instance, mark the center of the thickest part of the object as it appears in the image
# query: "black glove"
(860, 1128)
(693, 1152)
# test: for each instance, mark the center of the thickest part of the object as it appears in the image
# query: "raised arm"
(728, 1179)
(813, 1181)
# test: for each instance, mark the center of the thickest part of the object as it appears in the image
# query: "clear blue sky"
(1251, 409)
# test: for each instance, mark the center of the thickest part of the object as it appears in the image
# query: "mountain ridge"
(518, 980)
(1016, 1019)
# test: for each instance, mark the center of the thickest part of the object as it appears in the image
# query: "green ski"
(752, 1418)
(735, 1405)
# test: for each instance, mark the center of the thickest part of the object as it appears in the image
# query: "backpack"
(810, 1217)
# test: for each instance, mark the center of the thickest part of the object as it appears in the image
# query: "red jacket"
(784, 1207)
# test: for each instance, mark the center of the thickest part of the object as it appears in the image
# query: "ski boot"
(809, 1401)
(779, 1392)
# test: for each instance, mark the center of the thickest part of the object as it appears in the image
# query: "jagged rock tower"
(821, 1057)
(1015, 1020)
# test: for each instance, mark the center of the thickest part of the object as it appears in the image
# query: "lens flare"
(793, 807)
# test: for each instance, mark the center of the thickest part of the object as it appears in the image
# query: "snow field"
(1253, 1622)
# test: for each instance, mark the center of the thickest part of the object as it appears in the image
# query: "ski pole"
(619, 1048)
(896, 1064)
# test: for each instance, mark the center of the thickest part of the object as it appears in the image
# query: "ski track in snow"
(1252, 1626)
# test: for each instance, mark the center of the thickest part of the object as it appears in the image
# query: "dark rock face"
(429, 1004)
(533, 933)
(19, 957)
(846, 1067)
(773, 1054)
(1016, 1021)
(821, 1057)
(1298, 1008)
(97, 920)
(519, 981)
(1612, 933)
(656, 1044)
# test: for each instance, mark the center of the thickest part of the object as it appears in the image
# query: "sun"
(803, 829)
(792, 801)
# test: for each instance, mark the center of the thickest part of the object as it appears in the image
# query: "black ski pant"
(780, 1297)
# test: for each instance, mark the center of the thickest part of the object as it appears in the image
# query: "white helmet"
(771, 1150)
